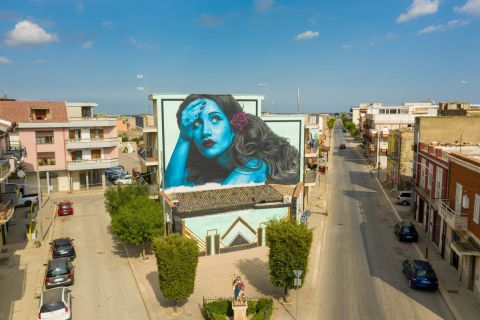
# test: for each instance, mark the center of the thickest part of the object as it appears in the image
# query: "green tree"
(138, 221)
(289, 245)
(115, 198)
(330, 123)
(177, 260)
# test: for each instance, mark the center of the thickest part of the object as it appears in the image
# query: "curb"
(140, 286)
(443, 292)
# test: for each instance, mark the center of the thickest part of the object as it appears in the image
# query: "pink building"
(66, 146)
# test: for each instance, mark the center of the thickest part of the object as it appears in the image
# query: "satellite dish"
(21, 174)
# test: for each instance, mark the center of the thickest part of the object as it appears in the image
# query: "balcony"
(5, 168)
(91, 164)
(457, 221)
(91, 122)
(311, 152)
(148, 156)
(91, 143)
(310, 178)
(385, 134)
(373, 133)
(6, 211)
(150, 129)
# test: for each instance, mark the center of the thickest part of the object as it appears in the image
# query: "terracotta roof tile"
(230, 198)
(19, 111)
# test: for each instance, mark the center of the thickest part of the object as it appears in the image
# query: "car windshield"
(57, 272)
(63, 246)
(52, 307)
(422, 273)
(407, 230)
(65, 206)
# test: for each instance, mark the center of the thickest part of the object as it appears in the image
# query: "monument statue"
(238, 291)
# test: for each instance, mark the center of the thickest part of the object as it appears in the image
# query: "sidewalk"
(215, 274)
(21, 271)
(461, 301)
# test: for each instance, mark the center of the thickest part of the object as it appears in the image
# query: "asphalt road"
(360, 267)
(104, 285)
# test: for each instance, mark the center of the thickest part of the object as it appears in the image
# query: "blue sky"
(338, 53)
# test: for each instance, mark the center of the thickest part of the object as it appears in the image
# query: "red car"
(64, 208)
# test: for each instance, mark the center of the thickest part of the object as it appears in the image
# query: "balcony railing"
(456, 220)
(6, 211)
(91, 164)
(5, 168)
(147, 155)
(92, 143)
(311, 151)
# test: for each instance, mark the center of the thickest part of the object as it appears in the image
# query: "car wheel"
(410, 283)
(404, 203)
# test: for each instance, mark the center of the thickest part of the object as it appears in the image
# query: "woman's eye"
(216, 119)
(197, 123)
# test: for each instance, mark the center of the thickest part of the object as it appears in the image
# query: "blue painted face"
(212, 133)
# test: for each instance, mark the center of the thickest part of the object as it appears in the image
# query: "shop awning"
(466, 248)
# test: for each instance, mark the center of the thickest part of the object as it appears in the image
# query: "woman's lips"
(208, 143)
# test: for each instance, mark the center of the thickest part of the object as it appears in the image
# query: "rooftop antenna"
(298, 100)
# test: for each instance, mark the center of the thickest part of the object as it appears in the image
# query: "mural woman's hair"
(255, 139)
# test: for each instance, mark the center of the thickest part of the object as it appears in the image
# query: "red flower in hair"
(239, 121)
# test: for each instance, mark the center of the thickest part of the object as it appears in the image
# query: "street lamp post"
(266, 95)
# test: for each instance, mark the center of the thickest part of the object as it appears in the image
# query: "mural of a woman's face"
(212, 133)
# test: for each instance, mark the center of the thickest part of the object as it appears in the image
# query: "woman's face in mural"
(212, 133)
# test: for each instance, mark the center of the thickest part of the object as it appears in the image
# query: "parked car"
(114, 169)
(64, 207)
(404, 197)
(344, 130)
(55, 304)
(63, 247)
(343, 146)
(59, 272)
(405, 231)
(26, 200)
(115, 175)
(420, 274)
(125, 179)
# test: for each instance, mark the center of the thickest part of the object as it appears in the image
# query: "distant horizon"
(336, 54)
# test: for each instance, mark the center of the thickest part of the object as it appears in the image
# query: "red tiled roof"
(19, 111)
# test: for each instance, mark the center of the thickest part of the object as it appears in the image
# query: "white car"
(55, 304)
(126, 179)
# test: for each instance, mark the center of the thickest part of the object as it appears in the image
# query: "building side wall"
(449, 129)
(28, 140)
(469, 180)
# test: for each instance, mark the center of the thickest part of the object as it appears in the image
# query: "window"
(77, 155)
(438, 183)
(430, 176)
(46, 158)
(86, 112)
(74, 134)
(422, 173)
(40, 114)
(44, 137)
(458, 198)
(96, 154)
(476, 209)
(96, 133)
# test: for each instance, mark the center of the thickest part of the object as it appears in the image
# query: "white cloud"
(470, 7)
(87, 44)
(27, 33)
(347, 46)
(431, 29)
(137, 44)
(443, 27)
(307, 35)
(390, 36)
(38, 61)
(262, 5)
(419, 8)
(4, 60)
(108, 24)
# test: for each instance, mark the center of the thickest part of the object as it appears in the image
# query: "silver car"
(59, 272)
(55, 304)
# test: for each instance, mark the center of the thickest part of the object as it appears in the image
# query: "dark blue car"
(420, 274)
